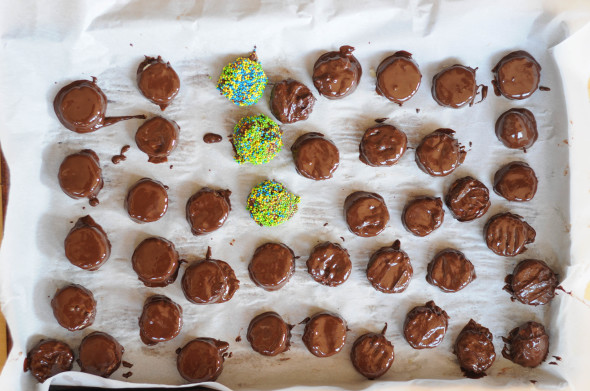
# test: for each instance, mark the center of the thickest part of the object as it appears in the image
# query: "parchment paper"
(45, 46)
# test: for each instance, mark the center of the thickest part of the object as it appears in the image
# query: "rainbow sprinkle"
(271, 204)
(256, 139)
(243, 81)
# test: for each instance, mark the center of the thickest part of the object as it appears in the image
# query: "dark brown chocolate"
(468, 199)
(212, 138)
(272, 266)
(74, 307)
(389, 269)
(425, 326)
(155, 260)
(516, 181)
(507, 234)
(455, 87)
(382, 145)
(87, 245)
(201, 360)
(48, 358)
(207, 210)
(158, 81)
(337, 74)
(80, 176)
(372, 354)
(160, 320)
(315, 156)
(157, 137)
(291, 101)
(269, 334)
(398, 77)
(324, 334)
(532, 282)
(329, 264)
(474, 349)
(527, 345)
(517, 75)
(100, 354)
(439, 153)
(517, 128)
(423, 215)
(146, 201)
(366, 213)
(450, 270)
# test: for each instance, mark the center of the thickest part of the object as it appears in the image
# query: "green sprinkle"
(256, 140)
(243, 81)
(271, 204)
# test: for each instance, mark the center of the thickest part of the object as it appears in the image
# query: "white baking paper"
(47, 45)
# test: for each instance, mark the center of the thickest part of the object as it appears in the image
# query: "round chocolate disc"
(366, 213)
(517, 128)
(272, 266)
(324, 334)
(160, 321)
(398, 77)
(439, 153)
(382, 145)
(337, 74)
(450, 271)
(329, 264)
(80, 176)
(516, 181)
(207, 210)
(454, 86)
(532, 282)
(74, 307)
(517, 75)
(100, 354)
(48, 358)
(155, 260)
(389, 269)
(372, 355)
(315, 156)
(468, 199)
(425, 326)
(87, 245)
(147, 201)
(268, 334)
(157, 81)
(157, 137)
(201, 360)
(507, 234)
(209, 281)
(475, 350)
(423, 215)
(527, 345)
(291, 101)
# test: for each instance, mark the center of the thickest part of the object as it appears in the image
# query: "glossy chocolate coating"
(423, 215)
(81, 107)
(527, 345)
(382, 145)
(507, 234)
(324, 334)
(468, 199)
(157, 81)
(517, 75)
(80, 176)
(268, 334)
(329, 264)
(157, 137)
(450, 271)
(212, 138)
(389, 269)
(398, 77)
(366, 213)
(337, 74)
(439, 153)
(516, 181)
(100, 354)
(455, 86)
(291, 101)
(87, 245)
(155, 260)
(532, 282)
(517, 128)
(272, 266)
(160, 321)
(207, 210)
(372, 355)
(209, 281)
(475, 350)
(201, 359)
(425, 326)
(48, 358)
(74, 307)
(315, 156)
(147, 201)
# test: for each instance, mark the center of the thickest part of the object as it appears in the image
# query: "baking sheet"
(52, 47)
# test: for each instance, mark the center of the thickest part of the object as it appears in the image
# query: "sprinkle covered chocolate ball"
(243, 81)
(256, 139)
(271, 204)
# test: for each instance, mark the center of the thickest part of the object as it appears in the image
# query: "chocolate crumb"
(127, 375)
(381, 120)
(172, 165)
(553, 363)
(470, 143)
(558, 358)
(126, 364)
(543, 88)
(417, 111)
(177, 351)
(121, 156)
(342, 239)
(211, 138)
(238, 339)
(284, 358)
(533, 381)
(565, 141)
(325, 224)
(230, 354)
